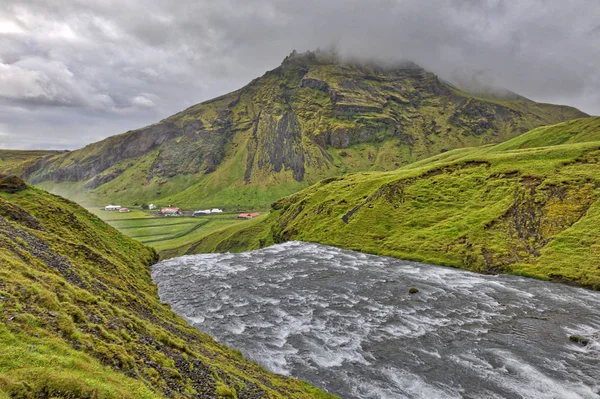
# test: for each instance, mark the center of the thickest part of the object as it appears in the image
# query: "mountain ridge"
(311, 118)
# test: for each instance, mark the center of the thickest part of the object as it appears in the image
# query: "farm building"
(124, 210)
(204, 212)
(151, 207)
(216, 210)
(248, 215)
(170, 211)
(112, 207)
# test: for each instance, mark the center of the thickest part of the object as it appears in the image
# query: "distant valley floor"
(170, 236)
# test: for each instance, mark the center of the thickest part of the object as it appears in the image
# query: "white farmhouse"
(112, 207)
(203, 212)
(217, 210)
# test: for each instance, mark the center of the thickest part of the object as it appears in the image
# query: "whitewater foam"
(345, 321)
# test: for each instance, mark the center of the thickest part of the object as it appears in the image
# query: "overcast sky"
(74, 72)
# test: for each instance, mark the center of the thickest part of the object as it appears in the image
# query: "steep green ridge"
(81, 318)
(13, 158)
(512, 208)
(315, 116)
(575, 131)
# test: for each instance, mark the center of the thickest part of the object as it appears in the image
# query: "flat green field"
(170, 236)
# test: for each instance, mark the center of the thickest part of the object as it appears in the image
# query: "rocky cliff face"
(312, 117)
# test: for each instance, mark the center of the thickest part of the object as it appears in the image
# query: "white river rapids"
(345, 321)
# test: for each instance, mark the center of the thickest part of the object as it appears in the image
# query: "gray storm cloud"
(76, 72)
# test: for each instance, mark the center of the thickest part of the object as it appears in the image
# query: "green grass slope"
(81, 318)
(313, 117)
(574, 131)
(521, 207)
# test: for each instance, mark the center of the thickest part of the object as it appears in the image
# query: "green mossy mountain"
(529, 206)
(81, 318)
(315, 116)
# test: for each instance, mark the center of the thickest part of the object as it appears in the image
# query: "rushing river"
(345, 321)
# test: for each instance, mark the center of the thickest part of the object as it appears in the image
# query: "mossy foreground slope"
(315, 116)
(520, 207)
(81, 318)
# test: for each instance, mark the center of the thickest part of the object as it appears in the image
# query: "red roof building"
(248, 215)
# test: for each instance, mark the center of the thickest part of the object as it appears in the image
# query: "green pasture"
(169, 235)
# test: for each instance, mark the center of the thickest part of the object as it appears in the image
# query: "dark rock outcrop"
(11, 184)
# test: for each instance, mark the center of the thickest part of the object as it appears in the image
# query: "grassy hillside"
(576, 131)
(522, 207)
(81, 318)
(313, 117)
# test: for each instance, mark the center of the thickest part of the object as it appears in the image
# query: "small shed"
(248, 215)
(124, 210)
